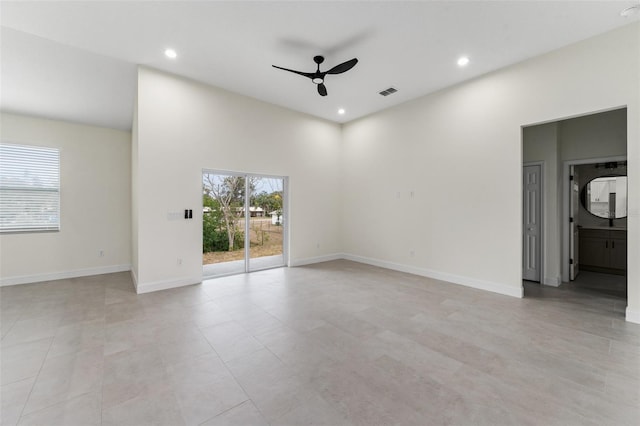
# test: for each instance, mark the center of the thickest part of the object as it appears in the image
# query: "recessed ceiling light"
(463, 61)
(630, 11)
(341, 111)
(170, 53)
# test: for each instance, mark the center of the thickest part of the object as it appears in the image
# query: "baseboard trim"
(165, 285)
(455, 279)
(631, 315)
(317, 259)
(134, 278)
(37, 278)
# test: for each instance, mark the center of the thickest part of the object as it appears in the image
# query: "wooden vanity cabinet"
(603, 250)
(618, 252)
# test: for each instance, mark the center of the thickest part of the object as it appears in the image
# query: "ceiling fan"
(318, 76)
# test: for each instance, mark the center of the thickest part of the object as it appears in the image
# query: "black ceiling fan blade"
(318, 76)
(345, 66)
(306, 74)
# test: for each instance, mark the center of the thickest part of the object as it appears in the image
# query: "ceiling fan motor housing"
(318, 76)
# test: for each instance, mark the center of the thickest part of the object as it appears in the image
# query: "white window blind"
(29, 188)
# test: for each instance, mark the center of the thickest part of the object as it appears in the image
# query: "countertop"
(604, 228)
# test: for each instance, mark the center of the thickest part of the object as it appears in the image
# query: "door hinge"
(570, 220)
(570, 261)
(571, 177)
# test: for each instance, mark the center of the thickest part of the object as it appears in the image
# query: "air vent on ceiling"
(388, 91)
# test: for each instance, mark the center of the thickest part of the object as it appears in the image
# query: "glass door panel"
(223, 225)
(265, 228)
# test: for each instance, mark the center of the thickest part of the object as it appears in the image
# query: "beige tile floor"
(331, 344)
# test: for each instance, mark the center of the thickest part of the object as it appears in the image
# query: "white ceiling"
(77, 60)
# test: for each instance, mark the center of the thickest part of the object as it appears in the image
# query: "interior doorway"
(601, 223)
(575, 240)
(244, 225)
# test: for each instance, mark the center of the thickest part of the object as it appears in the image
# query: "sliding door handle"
(606, 244)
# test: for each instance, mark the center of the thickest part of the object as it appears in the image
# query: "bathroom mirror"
(606, 197)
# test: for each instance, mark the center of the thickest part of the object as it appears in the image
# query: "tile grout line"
(36, 380)
(227, 369)
(225, 411)
(241, 387)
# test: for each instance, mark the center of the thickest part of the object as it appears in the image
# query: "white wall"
(95, 179)
(184, 127)
(594, 136)
(134, 191)
(470, 230)
(432, 186)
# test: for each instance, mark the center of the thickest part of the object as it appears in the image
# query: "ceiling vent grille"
(388, 91)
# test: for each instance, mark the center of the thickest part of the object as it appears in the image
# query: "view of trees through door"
(243, 223)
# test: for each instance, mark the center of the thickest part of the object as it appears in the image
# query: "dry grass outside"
(266, 240)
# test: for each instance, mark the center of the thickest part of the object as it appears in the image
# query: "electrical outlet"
(101, 253)
(179, 261)
(412, 253)
(318, 245)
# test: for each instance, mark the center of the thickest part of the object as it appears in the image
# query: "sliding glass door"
(266, 222)
(223, 201)
(243, 226)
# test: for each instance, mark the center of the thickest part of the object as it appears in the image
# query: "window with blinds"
(29, 188)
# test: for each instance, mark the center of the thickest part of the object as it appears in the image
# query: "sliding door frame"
(247, 215)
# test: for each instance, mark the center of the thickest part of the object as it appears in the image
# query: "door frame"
(543, 214)
(566, 193)
(247, 200)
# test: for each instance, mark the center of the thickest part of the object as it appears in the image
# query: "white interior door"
(532, 223)
(574, 205)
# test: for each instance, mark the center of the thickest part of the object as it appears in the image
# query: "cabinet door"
(594, 251)
(618, 253)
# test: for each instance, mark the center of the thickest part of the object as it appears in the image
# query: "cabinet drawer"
(594, 233)
(618, 235)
